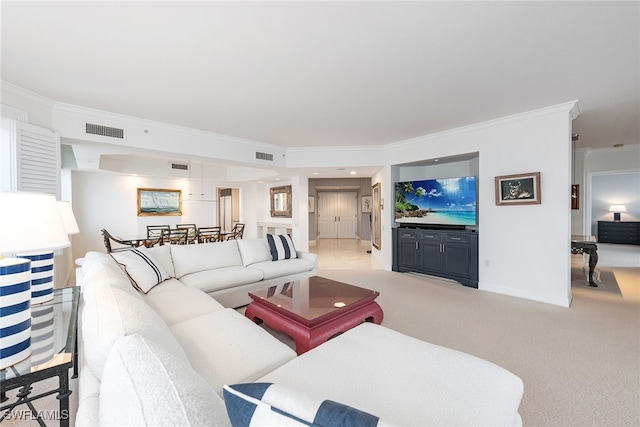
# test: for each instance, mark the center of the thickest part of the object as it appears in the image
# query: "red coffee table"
(314, 309)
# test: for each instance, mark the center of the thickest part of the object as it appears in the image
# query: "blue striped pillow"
(143, 270)
(281, 247)
(255, 404)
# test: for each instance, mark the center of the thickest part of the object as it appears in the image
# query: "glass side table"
(54, 346)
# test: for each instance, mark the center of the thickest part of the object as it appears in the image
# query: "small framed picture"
(520, 189)
(312, 204)
(366, 204)
(575, 196)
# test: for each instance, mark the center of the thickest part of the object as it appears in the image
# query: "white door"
(337, 214)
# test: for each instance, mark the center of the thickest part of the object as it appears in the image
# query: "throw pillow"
(274, 404)
(281, 247)
(143, 270)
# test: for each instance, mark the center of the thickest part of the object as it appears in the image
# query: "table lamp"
(30, 223)
(616, 209)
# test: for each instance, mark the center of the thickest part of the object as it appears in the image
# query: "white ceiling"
(300, 74)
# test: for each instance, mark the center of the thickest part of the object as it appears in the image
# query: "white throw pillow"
(141, 267)
(145, 385)
(281, 247)
(253, 250)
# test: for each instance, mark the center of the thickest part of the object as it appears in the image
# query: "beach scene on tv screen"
(449, 201)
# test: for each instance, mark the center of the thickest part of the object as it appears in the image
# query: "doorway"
(228, 207)
(337, 215)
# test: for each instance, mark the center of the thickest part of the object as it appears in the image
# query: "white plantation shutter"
(37, 159)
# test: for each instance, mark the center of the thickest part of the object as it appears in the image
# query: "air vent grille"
(264, 156)
(104, 131)
(180, 166)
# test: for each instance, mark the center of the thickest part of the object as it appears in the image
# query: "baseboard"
(562, 302)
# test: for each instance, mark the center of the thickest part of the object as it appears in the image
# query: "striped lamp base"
(41, 276)
(15, 310)
(42, 333)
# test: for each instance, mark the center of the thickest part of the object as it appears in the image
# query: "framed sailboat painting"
(158, 201)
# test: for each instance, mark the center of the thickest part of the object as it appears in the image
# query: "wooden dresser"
(627, 232)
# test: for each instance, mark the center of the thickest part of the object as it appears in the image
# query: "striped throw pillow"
(143, 270)
(281, 247)
(261, 404)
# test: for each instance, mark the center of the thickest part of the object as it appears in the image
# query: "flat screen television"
(444, 202)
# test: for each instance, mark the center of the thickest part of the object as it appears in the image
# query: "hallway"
(343, 254)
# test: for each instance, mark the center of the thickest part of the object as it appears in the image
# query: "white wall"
(523, 250)
(105, 200)
(526, 247)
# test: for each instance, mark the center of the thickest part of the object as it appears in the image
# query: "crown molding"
(570, 107)
(115, 118)
(27, 94)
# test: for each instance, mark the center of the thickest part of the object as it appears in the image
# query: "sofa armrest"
(311, 257)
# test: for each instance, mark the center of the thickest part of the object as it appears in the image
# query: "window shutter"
(37, 159)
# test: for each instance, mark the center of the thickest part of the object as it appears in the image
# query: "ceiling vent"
(180, 166)
(264, 156)
(104, 131)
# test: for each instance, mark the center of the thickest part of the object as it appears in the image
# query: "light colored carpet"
(580, 365)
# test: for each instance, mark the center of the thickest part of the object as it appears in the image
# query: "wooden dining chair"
(208, 234)
(155, 231)
(236, 232)
(191, 230)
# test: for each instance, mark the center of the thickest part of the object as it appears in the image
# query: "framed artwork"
(376, 229)
(312, 204)
(366, 204)
(520, 189)
(159, 201)
(575, 196)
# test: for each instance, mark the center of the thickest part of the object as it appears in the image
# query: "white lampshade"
(617, 208)
(30, 222)
(68, 218)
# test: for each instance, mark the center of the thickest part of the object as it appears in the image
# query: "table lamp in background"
(616, 209)
(30, 224)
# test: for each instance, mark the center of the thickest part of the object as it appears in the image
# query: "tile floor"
(343, 254)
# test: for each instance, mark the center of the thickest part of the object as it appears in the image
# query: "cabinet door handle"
(416, 246)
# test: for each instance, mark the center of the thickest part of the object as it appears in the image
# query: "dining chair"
(208, 234)
(191, 230)
(156, 231)
(236, 232)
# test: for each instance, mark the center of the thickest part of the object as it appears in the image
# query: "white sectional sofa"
(167, 356)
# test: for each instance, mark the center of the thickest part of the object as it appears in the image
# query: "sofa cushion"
(254, 250)
(146, 385)
(141, 267)
(181, 304)
(273, 404)
(222, 278)
(113, 314)
(281, 247)
(435, 385)
(226, 348)
(99, 269)
(162, 255)
(204, 256)
(284, 267)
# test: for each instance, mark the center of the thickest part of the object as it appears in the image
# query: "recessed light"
(316, 173)
(436, 160)
(352, 172)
